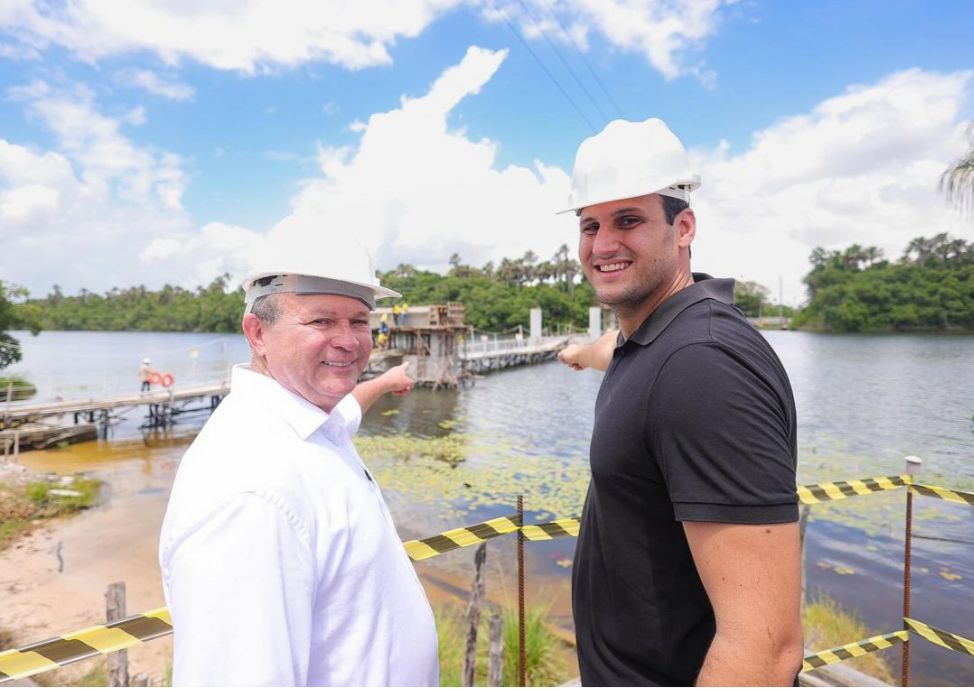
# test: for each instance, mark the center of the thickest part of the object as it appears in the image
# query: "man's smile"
(614, 267)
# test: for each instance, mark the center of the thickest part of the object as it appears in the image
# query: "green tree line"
(211, 309)
(497, 298)
(929, 288)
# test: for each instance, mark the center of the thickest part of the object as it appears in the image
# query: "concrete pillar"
(536, 325)
(594, 322)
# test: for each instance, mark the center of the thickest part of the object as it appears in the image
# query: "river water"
(450, 458)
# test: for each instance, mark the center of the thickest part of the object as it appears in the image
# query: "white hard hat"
(345, 271)
(145, 360)
(630, 159)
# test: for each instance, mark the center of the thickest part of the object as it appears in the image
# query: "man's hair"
(672, 208)
(267, 308)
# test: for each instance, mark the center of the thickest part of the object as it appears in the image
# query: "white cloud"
(415, 191)
(165, 86)
(110, 163)
(79, 216)
(666, 33)
(861, 167)
(259, 35)
(248, 36)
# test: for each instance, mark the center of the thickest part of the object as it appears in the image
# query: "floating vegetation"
(949, 575)
(838, 569)
(390, 413)
(458, 474)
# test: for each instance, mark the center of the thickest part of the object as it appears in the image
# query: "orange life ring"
(155, 378)
(167, 380)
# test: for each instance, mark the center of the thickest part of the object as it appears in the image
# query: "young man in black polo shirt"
(687, 568)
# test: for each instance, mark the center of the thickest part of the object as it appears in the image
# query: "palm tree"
(957, 182)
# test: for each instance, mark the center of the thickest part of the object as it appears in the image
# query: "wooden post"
(140, 680)
(496, 663)
(473, 617)
(16, 445)
(10, 392)
(118, 662)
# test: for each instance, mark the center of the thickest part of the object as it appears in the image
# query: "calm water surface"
(864, 402)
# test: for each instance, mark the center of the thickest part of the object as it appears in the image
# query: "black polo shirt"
(695, 420)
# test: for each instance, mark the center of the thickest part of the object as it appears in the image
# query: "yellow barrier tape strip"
(941, 637)
(567, 527)
(952, 495)
(854, 649)
(82, 644)
(835, 491)
(421, 549)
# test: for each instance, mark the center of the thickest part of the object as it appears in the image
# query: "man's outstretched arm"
(594, 355)
(752, 574)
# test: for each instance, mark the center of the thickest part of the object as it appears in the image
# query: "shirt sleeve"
(723, 439)
(241, 590)
(351, 412)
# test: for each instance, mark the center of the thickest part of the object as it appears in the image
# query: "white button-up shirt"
(280, 562)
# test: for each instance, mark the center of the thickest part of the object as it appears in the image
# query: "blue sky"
(153, 142)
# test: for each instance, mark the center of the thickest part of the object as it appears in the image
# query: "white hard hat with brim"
(627, 160)
(345, 269)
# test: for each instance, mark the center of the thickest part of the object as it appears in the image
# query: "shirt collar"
(302, 416)
(704, 287)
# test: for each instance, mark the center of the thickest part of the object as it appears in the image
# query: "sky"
(170, 141)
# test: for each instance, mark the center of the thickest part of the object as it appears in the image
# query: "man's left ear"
(686, 225)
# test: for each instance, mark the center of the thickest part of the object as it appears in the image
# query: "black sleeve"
(722, 436)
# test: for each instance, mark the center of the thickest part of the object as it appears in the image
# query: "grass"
(544, 651)
(21, 389)
(827, 624)
(22, 506)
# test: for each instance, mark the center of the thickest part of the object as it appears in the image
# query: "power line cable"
(544, 34)
(581, 54)
(545, 69)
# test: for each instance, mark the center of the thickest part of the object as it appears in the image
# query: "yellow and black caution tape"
(940, 637)
(945, 494)
(834, 491)
(100, 639)
(421, 549)
(567, 527)
(854, 649)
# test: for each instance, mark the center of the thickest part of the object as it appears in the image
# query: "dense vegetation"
(210, 309)
(496, 298)
(930, 288)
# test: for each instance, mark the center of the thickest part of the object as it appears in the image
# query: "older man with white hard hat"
(280, 562)
(687, 568)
